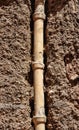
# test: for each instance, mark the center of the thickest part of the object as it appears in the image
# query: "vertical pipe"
(39, 118)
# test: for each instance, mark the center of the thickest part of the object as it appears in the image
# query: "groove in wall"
(31, 101)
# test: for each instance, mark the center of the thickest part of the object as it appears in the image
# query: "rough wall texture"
(62, 75)
(15, 51)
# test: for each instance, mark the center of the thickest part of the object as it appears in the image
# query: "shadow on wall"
(5, 2)
(55, 5)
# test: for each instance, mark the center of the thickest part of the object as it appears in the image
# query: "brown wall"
(62, 64)
(15, 51)
(62, 74)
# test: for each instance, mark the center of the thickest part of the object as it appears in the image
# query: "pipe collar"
(39, 120)
(37, 65)
(39, 13)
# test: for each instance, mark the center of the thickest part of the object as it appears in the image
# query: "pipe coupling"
(39, 120)
(37, 65)
(39, 13)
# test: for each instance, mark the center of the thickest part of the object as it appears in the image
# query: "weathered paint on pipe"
(39, 118)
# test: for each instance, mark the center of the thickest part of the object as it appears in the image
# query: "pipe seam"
(38, 16)
(39, 13)
(39, 119)
(37, 65)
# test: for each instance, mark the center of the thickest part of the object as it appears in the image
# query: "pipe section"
(39, 118)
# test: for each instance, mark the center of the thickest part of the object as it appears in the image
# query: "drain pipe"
(39, 117)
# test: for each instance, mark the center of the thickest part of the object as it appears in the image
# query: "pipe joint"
(37, 65)
(39, 120)
(39, 13)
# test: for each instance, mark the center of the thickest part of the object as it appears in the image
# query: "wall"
(61, 64)
(62, 73)
(15, 60)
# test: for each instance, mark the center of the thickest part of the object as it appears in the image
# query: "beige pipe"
(39, 118)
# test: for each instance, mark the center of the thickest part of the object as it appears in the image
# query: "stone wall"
(15, 60)
(61, 64)
(62, 73)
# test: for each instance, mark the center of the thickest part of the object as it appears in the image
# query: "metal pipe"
(39, 118)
